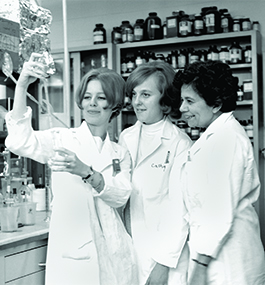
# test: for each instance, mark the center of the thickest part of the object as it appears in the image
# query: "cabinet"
(23, 264)
(246, 108)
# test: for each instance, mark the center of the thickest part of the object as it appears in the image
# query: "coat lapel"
(88, 152)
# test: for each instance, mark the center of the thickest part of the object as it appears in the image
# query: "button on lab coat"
(222, 184)
(157, 234)
(72, 257)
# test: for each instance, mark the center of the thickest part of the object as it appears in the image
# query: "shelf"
(244, 102)
(193, 39)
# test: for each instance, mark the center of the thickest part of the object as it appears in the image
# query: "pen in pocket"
(167, 157)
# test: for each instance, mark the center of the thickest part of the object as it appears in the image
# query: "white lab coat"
(222, 184)
(72, 257)
(157, 235)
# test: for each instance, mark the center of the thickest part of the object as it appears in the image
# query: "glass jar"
(247, 54)
(182, 58)
(224, 54)
(235, 53)
(255, 26)
(153, 27)
(116, 35)
(212, 20)
(185, 26)
(226, 23)
(126, 32)
(236, 25)
(198, 25)
(213, 53)
(99, 34)
(124, 65)
(138, 30)
(246, 24)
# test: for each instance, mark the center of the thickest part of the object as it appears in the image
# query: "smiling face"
(95, 105)
(195, 110)
(145, 101)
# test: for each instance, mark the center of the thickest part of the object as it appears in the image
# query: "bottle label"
(138, 61)
(123, 67)
(98, 36)
(214, 56)
(198, 24)
(138, 32)
(247, 55)
(154, 26)
(224, 23)
(236, 27)
(246, 26)
(172, 23)
(235, 55)
(224, 56)
(210, 20)
(181, 61)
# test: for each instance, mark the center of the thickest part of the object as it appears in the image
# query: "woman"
(222, 182)
(80, 191)
(154, 143)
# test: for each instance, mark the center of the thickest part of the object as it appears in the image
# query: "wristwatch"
(89, 174)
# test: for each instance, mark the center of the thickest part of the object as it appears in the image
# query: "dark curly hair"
(213, 81)
(165, 73)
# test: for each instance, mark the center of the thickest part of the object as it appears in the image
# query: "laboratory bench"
(23, 253)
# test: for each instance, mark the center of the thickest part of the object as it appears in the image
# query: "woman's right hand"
(32, 70)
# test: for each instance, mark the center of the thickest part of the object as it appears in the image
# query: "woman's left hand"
(65, 160)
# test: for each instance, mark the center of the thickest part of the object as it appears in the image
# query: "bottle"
(116, 35)
(240, 94)
(165, 29)
(160, 57)
(246, 24)
(247, 54)
(153, 27)
(224, 54)
(235, 53)
(174, 56)
(194, 56)
(130, 64)
(182, 58)
(185, 26)
(139, 58)
(25, 194)
(152, 57)
(126, 32)
(226, 23)
(213, 53)
(198, 25)
(99, 34)
(236, 25)
(212, 20)
(256, 26)
(138, 30)
(123, 64)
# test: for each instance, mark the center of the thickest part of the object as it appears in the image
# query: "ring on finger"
(68, 164)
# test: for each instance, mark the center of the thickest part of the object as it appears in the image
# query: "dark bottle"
(246, 24)
(116, 35)
(212, 20)
(99, 34)
(198, 27)
(235, 53)
(194, 56)
(153, 27)
(224, 54)
(126, 32)
(185, 26)
(226, 23)
(124, 65)
(213, 53)
(138, 30)
(247, 54)
(139, 59)
(182, 58)
(236, 25)
(130, 64)
(152, 57)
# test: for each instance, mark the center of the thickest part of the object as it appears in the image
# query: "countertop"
(27, 233)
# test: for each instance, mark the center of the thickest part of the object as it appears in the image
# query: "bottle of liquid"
(99, 34)
(126, 32)
(116, 35)
(235, 53)
(153, 27)
(138, 30)
(25, 193)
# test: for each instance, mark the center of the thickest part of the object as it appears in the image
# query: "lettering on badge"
(159, 165)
